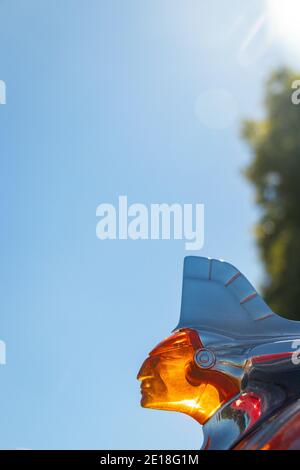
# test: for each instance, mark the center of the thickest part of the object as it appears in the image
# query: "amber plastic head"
(171, 379)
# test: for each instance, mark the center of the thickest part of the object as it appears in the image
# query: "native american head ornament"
(231, 362)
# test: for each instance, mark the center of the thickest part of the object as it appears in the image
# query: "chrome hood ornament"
(231, 362)
(218, 297)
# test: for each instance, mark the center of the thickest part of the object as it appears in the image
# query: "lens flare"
(284, 20)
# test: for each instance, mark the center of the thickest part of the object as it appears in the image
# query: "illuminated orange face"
(170, 379)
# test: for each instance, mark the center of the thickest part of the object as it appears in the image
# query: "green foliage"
(275, 173)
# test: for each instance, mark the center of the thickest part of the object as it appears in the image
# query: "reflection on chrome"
(228, 364)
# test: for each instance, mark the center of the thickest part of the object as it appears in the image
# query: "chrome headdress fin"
(217, 297)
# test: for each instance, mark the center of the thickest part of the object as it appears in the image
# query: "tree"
(275, 173)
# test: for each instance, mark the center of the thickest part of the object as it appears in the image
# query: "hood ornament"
(231, 363)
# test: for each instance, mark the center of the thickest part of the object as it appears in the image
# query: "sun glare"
(284, 20)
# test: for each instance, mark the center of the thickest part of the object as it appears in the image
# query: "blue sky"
(106, 98)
